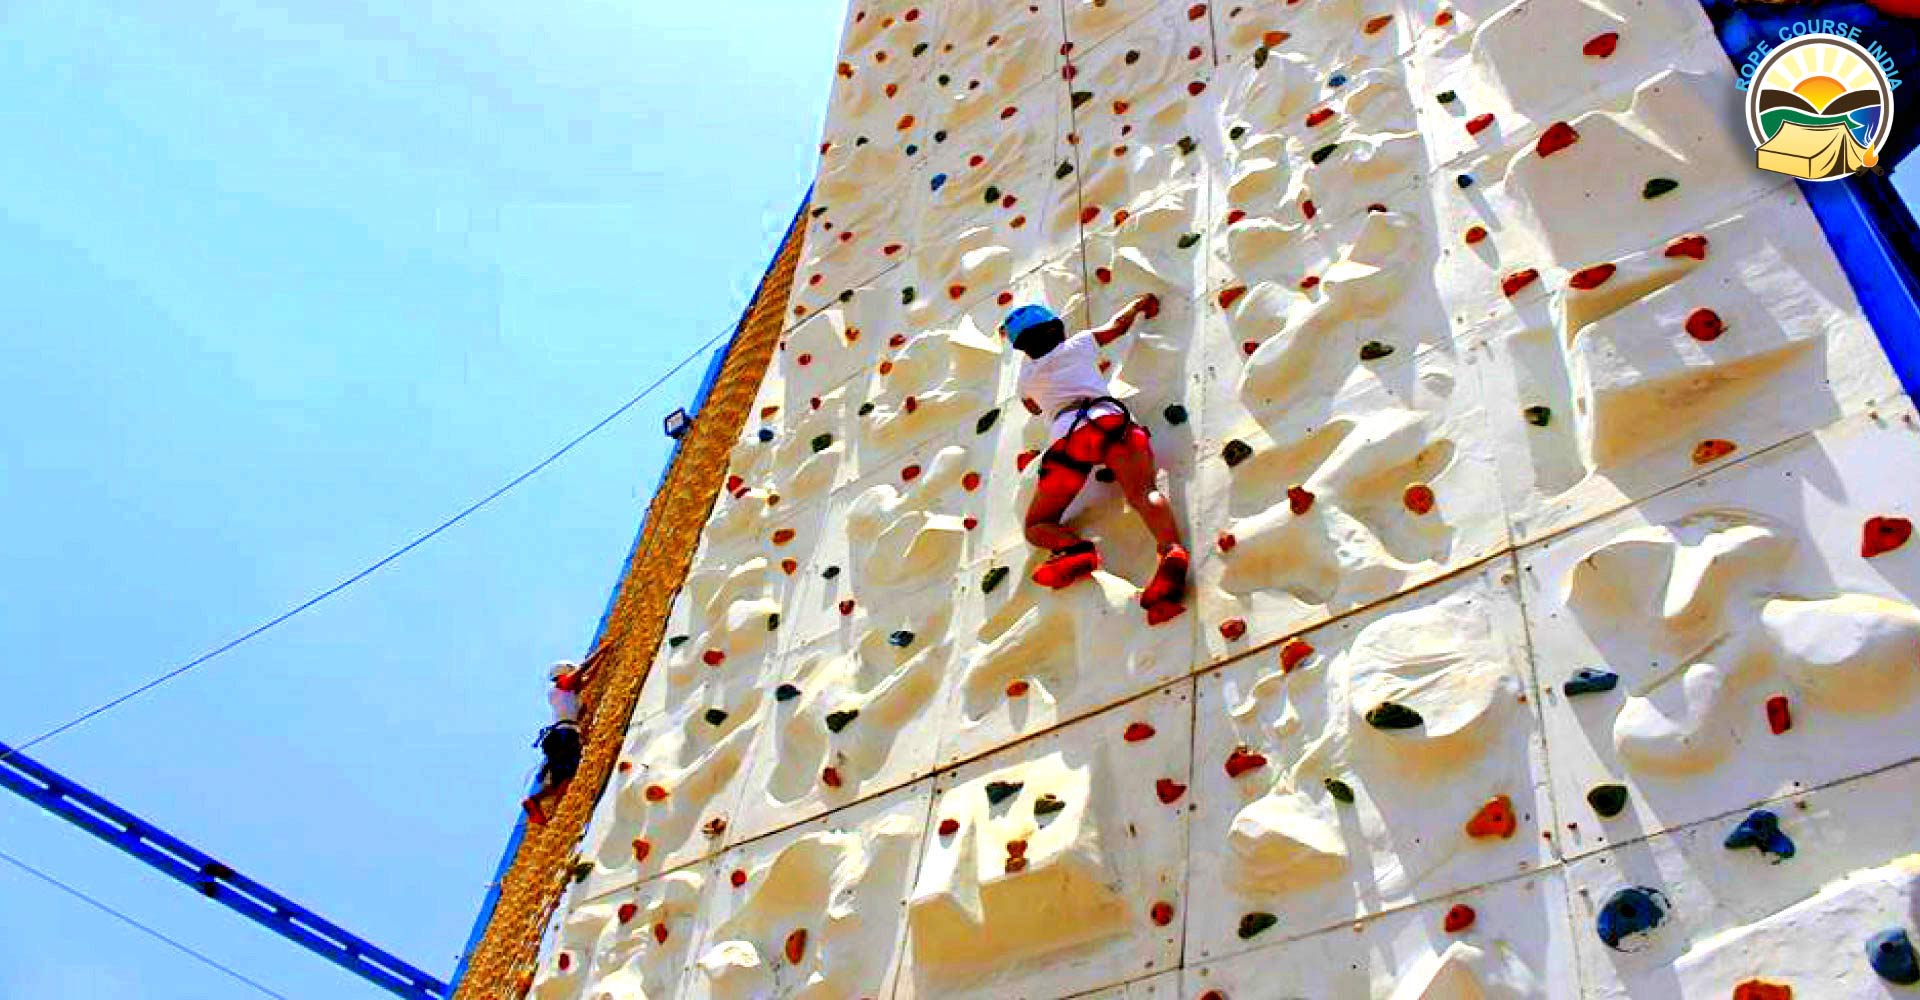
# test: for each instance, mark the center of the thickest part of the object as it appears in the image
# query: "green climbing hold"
(1001, 791)
(986, 421)
(1260, 57)
(819, 210)
(830, 572)
(1081, 97)
(1446, 97)
(1187, 145)
(785, 692)
(1047, 805)
(1236, 132)
(1393, 715)
(1253, 924)
(992, 194)
(906, 296)
(1187, 240)
(846, 296)
(1538, 416)
(920, 49)
(1340, 790)
(1374, 350)
(1320, 155)
(1175, 414)
(1657, 187)
(940, 136)
(1236, 452)
(581, 870)
(773, 622)
(866, 409)
(901, 639)
(837, 721)
(944, 79)
(1063, 171)
(994, 578)
(715, 716)
(677, 641)
(822, 442)
(1608, 800)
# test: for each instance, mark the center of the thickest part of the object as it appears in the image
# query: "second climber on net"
(1061, 379)
(560, 743)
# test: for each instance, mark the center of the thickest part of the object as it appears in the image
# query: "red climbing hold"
(738, 878)
(1760, 989)
(1233, 628)
(1162, 913)
(1712, 449)
(1694, 246)
(1242, 760)
(1479, 123)
(1235, 216)
(655, 793)
(627, 912)
(1443, 18)
(1299, 500)
(955, 291)
(796, 947)
(660, 933)
(949, 827)
(640, 851)
(790, 566)
(1293, 653)
(713, 657)
(565, 961)
(1169, 790)
(1459, 918)
(1008, 112)
(783, 536)
(1227, 542)
(1196, 88)
(905, 122)
(1476, 234)
(1557, 137)
(970, 481)
(846, 606)
(1016, 848)
(1018, 689)
(1310, 282)
(1705, 325)
(1213, 995)
(897, 341)
(1025, 459)
(1273, 39)
(1089, 213)
(1601, 46)
(830, 777)
(1103, 275)
(1511, 285)
(1589, 278)
(1228, 296)
(1418, 498)
(1137, 732)
(910, 473)
(1373, 26)
(1307, 209)
(1495, 819)
(1779, 714)
(1196, 12)
(1884, 534)
(1318, 117)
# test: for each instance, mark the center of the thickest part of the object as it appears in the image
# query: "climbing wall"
(1552, 630)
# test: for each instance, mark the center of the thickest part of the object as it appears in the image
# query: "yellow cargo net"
(502, 965)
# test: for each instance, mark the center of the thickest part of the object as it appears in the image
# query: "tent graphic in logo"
(1819, 109)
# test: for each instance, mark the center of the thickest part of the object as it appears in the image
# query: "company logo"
(1819, 105)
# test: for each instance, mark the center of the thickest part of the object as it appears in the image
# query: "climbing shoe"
(1170, 580)
(1164, 612)
(1068, 567)
(535, 815)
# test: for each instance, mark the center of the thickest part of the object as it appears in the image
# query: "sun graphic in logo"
(1819, 109)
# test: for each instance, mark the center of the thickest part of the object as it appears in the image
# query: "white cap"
(562, 667)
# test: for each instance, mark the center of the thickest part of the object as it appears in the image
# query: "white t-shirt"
(1067, 374)
(565, 700)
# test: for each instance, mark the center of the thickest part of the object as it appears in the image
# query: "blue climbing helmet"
(1026, 318)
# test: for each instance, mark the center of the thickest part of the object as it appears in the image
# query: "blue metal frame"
(519, 833)
(1873, 234)
(174, 858)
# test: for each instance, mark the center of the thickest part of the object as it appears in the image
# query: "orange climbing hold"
(1495, 819)
(1374, 26)
(1291, 654)
(1884, 534)
(1242, 760)
(1418, 499)
(796, 946)
(1018, 689)
(1712, 449)
(1589, 278)
(783, 536)
(1475, 234)
(789, 566)
(640, 851)
(1760, 989)
(1318, 117)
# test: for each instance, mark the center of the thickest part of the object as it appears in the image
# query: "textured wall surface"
(1552, 631)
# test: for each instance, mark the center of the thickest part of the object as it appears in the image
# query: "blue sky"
(283, 286)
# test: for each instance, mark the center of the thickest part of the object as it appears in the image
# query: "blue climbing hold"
(1628, 914)
(1891, 955)
(1337, 80)
(766, 434)
(901, 639)
(939, 181)
(1587, 680)
(1761, 831)
(1464, 180)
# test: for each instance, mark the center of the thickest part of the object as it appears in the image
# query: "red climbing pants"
(1065, 467)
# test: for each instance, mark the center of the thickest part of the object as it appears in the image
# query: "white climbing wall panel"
(1552, 630)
